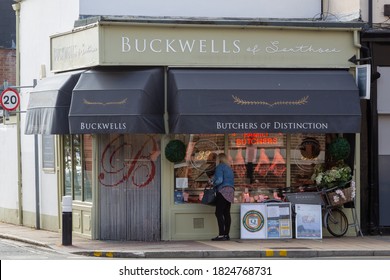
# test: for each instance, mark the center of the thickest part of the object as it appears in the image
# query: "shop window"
(307, 151)
(78, 166)
(258, 161)
(264, 164)
(193, 173)
(48, 152)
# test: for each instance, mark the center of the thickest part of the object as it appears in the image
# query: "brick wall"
(7, 66)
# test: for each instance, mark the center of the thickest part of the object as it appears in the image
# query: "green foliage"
(175, 151)
(337, 175)
(339, 149)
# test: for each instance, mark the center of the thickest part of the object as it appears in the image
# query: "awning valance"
(118, 100)
(48, 106)
(252, 100)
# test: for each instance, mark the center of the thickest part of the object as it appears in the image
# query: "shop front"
(155, 101)
(275, 126)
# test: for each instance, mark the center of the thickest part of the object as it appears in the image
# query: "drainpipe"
(374, 227)
(16, 8)
(370, 13)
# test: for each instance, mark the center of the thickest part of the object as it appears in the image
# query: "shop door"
(129, 184)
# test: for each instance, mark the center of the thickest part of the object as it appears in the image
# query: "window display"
(255, 173)
(307, 151)
(78, 166)
(264, 164)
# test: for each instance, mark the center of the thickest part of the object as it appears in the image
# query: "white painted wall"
(377, 7)
(345, 10)
(8, 167)
(378, 10)
(39, 19)
(204, 8)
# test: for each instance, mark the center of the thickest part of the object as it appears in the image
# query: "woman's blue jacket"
(223, 176)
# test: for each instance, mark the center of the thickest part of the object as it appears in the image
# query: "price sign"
(9, 99)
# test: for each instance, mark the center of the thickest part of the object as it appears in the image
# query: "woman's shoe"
(219, 238)
(227, 237)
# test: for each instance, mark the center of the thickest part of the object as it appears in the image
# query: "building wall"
(8, 166)
(8, 66)
(204, 8)
(341, 10)
(377, 11)
(8, 196)
(55, 17)
(345, 10)
(38, 20)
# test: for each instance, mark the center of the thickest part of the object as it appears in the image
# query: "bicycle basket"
(342, 195)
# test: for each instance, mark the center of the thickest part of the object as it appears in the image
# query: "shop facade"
(146, 104)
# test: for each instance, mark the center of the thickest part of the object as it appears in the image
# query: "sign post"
(10, 99)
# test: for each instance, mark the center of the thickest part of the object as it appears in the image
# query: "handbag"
(209, 196)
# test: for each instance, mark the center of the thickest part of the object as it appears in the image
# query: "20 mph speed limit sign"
(9, 99)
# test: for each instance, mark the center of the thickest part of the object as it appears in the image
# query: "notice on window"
(48, 158)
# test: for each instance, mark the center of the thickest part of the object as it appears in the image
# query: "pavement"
(347, 246)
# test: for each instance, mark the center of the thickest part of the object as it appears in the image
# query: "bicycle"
(333, 218)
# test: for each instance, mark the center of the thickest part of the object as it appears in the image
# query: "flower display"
(341, 196)
(336, 175)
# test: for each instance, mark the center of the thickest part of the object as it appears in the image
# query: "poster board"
(308, 222)
(279, 223)
(266, 220)
(253, 221)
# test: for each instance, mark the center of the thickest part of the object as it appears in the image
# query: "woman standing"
(223, 182)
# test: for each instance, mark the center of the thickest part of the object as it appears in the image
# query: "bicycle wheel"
(336, 222)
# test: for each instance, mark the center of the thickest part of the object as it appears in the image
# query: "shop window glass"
(78, 166)
(77, 176)
(67, 165)
(192, 174)
(87, 167)
(307, 151)
(259, 164)
(258, 161)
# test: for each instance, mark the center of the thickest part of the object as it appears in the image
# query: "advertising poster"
(279, 223)
(273, 228)
(308, 221)
(253, 221)
(266, 220)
